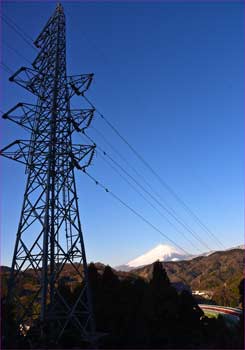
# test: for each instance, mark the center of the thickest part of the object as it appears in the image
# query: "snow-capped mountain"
(161, 252)
(241, 246)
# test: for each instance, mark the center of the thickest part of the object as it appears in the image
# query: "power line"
(136, 172)
(170, 211)
(123, 158)
(18, 31)
(16, 51)
(163, 183)
(6, 68)
(152, 205)
(18, 27)
(134, 211)
(183, 224)
(29, 40)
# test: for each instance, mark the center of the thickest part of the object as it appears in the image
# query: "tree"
(159, 277)
(241, 323)
(160, 308)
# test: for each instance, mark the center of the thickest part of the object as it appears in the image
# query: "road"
(233, 312)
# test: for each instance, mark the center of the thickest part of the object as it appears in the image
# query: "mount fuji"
(161, 252)
(164, 252)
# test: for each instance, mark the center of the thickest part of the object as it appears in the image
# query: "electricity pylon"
(49, 236)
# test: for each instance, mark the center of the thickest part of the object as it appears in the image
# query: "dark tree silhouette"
(241, 324)
(11, 337)
(159, 276)
(132, 313)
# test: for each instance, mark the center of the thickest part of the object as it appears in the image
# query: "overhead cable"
(29, 40)
(163, 183)
(136, 172)
(18, 27)
(152, 205)
(184, 225)
(6, 68)
(16, 51)
(134, 211)
(18, 31)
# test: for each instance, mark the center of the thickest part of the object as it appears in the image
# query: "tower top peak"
(59, 7)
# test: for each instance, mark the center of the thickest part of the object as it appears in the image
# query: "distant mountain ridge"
(164, 253)
(241, 246)
(218, 273)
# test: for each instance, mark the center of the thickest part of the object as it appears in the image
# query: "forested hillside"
(218, 273)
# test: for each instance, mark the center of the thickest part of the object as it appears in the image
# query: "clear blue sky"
(170, 77)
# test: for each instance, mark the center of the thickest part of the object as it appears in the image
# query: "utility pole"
(49, 236)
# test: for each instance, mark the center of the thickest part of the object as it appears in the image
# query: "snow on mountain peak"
(161, 252)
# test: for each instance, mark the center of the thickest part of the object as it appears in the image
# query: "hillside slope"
(219, 273)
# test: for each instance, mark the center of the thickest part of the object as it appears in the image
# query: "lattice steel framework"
(49, 236)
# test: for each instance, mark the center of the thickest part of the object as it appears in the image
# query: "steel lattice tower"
(49, 236)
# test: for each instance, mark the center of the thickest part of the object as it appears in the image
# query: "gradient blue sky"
(170, 77)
